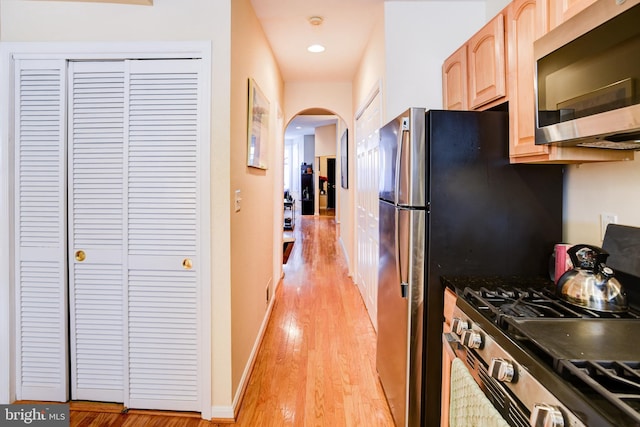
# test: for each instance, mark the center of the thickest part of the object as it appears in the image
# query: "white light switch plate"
(606, 218)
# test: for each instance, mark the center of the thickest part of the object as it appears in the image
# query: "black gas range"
(543, 362)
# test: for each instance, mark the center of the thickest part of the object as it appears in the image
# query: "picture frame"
(344, 159)
(257, 127)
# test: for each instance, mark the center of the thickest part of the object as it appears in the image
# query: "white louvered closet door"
(126, 273)
(133, 234)
(97, 191)
(40, 231)
(163, 243)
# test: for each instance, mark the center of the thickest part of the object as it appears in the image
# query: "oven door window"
(494, 403)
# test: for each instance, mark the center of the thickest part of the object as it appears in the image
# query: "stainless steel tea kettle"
(590, 284)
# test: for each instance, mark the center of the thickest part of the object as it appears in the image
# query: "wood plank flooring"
(316, 365)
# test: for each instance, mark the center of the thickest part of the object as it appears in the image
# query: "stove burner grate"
(618, 382)
(498, 302)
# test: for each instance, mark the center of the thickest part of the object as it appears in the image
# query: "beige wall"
(325, 138)
(80, 21)
(369, 79)
(593, 189)
(332, 96)
(419, 36)
(252, 231)
(370, 73)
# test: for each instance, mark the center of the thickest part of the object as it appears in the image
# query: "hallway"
(316, 365)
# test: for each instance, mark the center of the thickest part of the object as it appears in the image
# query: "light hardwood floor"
(316, 365)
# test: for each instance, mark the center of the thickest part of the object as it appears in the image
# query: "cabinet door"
(454, 81)
(486, 58)
(563, 10)
(521, 29)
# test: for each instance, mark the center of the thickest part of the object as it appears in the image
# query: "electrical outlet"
(606, 218)
(237, 200)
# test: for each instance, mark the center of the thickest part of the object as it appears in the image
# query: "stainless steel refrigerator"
(450, 204)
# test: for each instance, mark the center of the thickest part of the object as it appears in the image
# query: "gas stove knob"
(544, 415)
(458, 325)
(471, 339)
(502, 370)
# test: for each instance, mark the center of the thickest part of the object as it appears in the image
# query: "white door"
(40, 231)
(97, 190)
(163, 240)
(133, 240)
(367, 141)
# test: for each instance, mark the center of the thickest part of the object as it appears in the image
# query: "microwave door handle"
(402, 249)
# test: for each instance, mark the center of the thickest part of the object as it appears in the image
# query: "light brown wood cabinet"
(521, 21)
(447, 356)
(486, 64)
(506, 43)
(454, 80)
(474, 76)
(524, 25)
(554, 12)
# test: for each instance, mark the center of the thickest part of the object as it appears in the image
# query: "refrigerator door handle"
(402, 165)
(402, 249)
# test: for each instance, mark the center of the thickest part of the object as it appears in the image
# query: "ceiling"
(345, 29)
(306, 124)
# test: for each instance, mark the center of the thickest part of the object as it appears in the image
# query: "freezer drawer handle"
(402, 251)
(403, 289)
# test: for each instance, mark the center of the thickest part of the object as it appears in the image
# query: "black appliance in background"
(306, 189)
(450, 204)
(331, 183)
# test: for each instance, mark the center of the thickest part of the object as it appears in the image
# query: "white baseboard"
(346, 257)
(244, 381)
(220, 413)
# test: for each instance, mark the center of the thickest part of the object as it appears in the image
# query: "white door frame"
(95, 51)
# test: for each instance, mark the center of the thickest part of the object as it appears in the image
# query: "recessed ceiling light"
(316, 48)
(316, 20)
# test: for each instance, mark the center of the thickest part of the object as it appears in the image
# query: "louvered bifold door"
(97, 191)
(40, 231)
(163, 206)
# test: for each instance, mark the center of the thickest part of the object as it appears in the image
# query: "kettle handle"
(601, 256)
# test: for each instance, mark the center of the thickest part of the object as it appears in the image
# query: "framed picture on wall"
(257, 127)
(344, 159)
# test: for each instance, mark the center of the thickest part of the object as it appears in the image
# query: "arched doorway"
(311, 162)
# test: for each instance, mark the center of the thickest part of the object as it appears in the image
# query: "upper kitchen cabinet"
(473, 77)
(552, 13)
(454, 80)
(521, 21)
(486, 61)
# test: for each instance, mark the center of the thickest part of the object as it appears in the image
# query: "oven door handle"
(451, 344)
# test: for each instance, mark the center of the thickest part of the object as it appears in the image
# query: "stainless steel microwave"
(588, 78)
